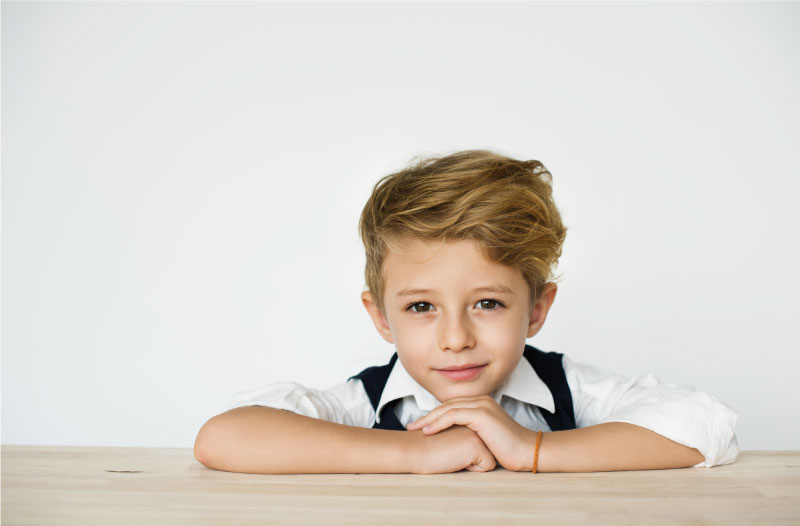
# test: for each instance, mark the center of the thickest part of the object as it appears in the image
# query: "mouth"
(462, 367)
(463, 372)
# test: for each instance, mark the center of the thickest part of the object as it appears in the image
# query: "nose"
(455, 333)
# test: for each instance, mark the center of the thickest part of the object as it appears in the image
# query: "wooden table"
(115, 485)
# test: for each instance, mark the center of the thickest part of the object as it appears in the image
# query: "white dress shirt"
(682, 414)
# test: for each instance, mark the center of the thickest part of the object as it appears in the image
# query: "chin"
(462, 392)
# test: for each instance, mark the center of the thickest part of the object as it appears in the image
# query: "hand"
(451, 450)
(511, 444)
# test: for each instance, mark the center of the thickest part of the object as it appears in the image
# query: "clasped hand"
(511, 444)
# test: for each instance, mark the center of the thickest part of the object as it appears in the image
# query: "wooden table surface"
(125, 485)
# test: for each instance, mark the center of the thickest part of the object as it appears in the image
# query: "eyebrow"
(492, 288)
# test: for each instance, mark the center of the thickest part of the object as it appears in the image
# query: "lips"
(462, 372)
(462, 367)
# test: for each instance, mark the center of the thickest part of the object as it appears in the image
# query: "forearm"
(612, 446)
(259, 439)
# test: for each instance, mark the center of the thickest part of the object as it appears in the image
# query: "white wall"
(181, 187)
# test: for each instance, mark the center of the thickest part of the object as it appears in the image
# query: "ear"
(541, 308)
(377, 316)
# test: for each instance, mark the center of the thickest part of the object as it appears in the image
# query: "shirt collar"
(522, 384)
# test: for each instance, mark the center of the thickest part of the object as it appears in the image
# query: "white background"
(181, 187)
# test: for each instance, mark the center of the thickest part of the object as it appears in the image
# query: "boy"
(459, 257)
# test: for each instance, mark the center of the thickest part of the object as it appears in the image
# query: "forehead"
(414, 263)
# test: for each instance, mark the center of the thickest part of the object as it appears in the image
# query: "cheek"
(413, 352)
(415, 342)
(508, 329)
(521, 323)
(408, 335)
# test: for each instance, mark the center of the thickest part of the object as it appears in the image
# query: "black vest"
(547, 365)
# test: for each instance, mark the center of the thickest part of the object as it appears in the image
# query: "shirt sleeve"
(346, 403)
(681, 413)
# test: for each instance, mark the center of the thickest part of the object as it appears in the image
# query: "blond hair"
(504, 204)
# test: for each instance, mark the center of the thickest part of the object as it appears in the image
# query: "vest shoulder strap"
(374, 380)
(549, 366)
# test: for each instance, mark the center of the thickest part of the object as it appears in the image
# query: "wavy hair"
(504, 204)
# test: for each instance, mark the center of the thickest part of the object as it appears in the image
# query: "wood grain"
(104, 485)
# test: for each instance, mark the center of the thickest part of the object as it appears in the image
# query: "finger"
(430, 417)
(427, 422)
(457, 416)
(487, 465)
(441, 409)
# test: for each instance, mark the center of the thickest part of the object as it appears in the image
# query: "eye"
(488, 304)
(414, 307)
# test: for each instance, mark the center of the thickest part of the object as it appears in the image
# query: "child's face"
(447, 306)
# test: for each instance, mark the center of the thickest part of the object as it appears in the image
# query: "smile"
(463, 374)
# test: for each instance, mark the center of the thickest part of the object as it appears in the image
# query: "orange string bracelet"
(536, 454)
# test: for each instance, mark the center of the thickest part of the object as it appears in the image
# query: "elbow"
(200, 454)
(232, 441)
(204, 444)
(200, 445)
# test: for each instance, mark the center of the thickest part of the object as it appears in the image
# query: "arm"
(613, 446)
(676, 413)
(256, 439)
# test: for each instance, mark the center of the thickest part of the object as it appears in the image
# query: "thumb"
(487, 466)
(484, 462)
